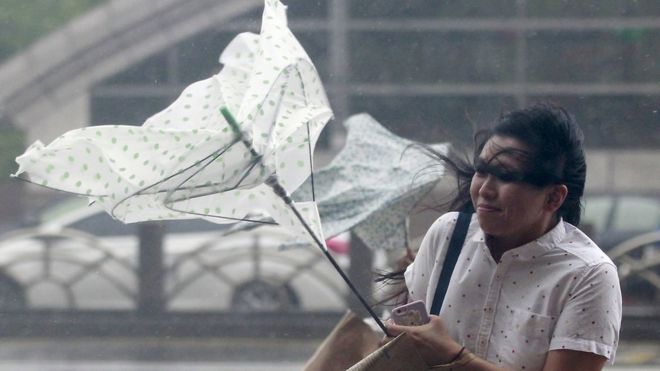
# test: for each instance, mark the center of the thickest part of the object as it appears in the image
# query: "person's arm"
(437, 348)
(559, 360)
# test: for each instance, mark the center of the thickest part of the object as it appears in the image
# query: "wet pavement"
(154, 354)
(132, 354)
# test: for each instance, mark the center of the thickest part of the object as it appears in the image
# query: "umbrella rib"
(311, 167)
(245, 174)
(309, 142)
(27, 180)
(213, 156)
(139, 192)
(180, 188)
(169, 201)
(222, 217)
(279, 103)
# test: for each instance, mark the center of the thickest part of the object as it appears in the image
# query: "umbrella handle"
(274, 183)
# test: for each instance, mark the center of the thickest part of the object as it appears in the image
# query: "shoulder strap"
(454, 250)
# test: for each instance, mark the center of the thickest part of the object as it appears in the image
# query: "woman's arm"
(436, 347)
(559, 360)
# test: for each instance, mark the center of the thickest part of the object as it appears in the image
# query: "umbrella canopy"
(372, 185)
(187, 161)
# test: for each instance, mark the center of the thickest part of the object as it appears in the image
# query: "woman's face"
(509, 211)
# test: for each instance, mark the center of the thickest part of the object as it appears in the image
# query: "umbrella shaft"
(279, 190)
(354, 289)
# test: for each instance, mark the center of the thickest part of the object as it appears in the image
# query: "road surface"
(131, 354)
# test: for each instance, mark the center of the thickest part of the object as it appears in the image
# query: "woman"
(529, 291)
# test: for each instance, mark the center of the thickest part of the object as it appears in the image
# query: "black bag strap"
(454, 250)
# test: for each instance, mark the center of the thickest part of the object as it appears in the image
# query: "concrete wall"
(623, 170)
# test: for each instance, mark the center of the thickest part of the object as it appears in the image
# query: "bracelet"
(461, 359)
(457, 356)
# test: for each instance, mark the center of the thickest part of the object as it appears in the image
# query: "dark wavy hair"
(555, 155)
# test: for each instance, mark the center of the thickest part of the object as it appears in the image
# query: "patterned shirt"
(559, 291)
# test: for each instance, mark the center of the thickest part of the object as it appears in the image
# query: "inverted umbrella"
(187, 161)
(193, 160)
(372, 185)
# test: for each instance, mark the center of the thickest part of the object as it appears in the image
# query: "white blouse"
(557, 292)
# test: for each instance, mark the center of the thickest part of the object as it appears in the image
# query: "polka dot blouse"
(557, 292)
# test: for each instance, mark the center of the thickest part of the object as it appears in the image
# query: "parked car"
(626, 226)
(78, 257)
(613, 217)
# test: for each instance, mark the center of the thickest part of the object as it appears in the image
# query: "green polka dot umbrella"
(374, 197)
(187, 161)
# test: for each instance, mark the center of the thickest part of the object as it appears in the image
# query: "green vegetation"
(11, 145)
(23, 22)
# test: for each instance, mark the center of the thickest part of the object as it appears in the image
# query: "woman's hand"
(435, 345)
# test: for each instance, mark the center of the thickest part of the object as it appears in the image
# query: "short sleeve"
(418, 273)
(591, 319)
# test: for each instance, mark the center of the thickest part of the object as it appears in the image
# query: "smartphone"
(411, 314)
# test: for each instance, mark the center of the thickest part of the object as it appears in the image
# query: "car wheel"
(261, 296)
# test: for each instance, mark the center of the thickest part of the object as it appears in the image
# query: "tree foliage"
(23, 22)
(11, 145)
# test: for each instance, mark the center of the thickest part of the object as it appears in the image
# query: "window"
(597, 210)
(636, 213)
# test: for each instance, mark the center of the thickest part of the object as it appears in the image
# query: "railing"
(266, 299)
(69, 270)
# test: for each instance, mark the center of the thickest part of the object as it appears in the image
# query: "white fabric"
(374, 195)
(185, 161)
(557, 292)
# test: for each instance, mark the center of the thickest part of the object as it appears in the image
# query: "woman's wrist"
(451, 352)
(457, 356)
(462, 358)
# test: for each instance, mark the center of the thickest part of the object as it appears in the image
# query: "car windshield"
(597, 212)
(620, 212)
(637, 213)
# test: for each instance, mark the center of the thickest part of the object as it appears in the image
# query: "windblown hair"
(556, 151)
(555, 155)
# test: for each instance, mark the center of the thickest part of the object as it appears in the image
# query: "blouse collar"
(534, 248)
